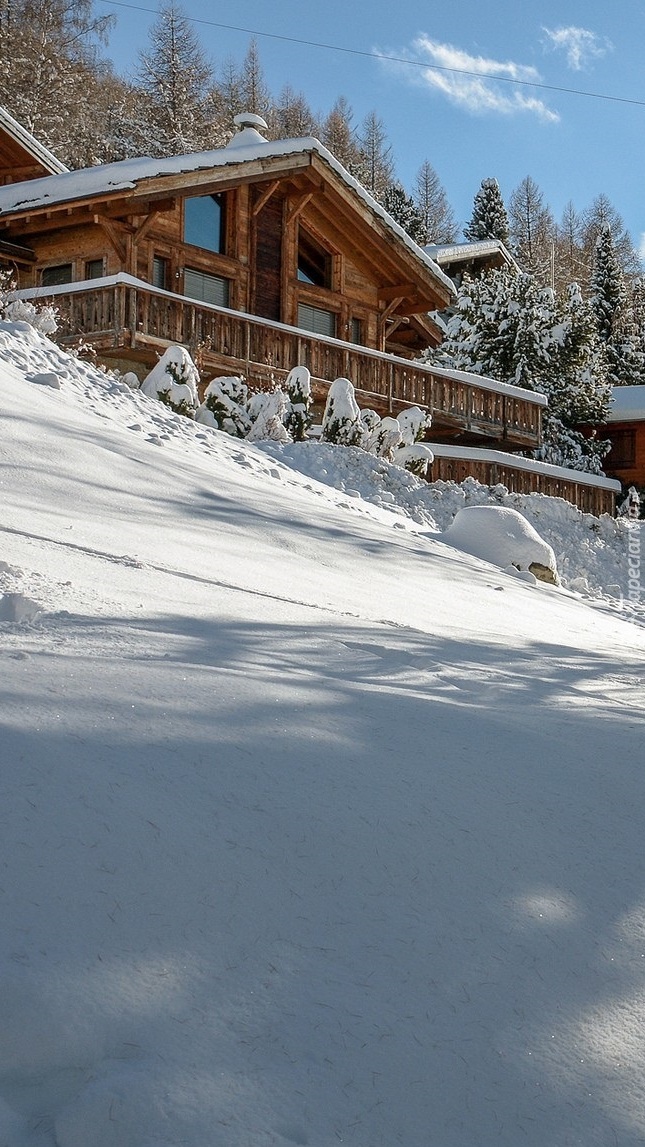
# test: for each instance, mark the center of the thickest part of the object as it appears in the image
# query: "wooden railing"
(123, 314)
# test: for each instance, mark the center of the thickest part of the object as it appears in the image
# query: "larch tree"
(50, 67)
(254, 90)
(438, 221)
(176, 79)
(375, 165)
(489, 219)
(339, 135)
(290, 116)
(532, 230)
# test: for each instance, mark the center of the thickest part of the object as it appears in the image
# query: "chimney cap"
(249, 119)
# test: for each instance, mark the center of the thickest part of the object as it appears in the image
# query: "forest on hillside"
(568, 320)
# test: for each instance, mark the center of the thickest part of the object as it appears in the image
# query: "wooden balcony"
(128, 320)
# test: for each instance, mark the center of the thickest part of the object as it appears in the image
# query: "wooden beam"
(297, 207)
(389, 310)
(159, 209)
(113, 235)
(265, 196)
(403, 291)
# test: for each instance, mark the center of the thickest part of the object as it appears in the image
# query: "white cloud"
(579, 44)
(473, 82)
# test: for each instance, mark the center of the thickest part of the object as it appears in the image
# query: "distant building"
(625, 428)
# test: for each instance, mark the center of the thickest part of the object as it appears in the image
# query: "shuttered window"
(316, 319)
(207, 288)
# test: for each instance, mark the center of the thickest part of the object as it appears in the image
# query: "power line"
(390, 59)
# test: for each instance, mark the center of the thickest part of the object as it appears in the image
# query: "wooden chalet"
(257, 257)
(625, 429)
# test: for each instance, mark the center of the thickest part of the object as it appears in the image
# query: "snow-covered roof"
(26, 140)
(475, 454)
(461, 252)
(627, 404)
(245, 147)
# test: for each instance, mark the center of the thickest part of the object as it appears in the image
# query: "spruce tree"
(404, 211)
(489, 219)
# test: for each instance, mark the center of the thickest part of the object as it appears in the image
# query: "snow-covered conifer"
(341, 423)
(225, 406)
(174, 381)
(298, 417)
(267, 412)
(489, 219)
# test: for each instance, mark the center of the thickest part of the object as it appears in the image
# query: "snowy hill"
(314, 829)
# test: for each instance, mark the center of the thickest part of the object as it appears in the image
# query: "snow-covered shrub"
(342, 424)
(415, 458)
(43, 319)
(413, 423)
(267, 412)
(174, 380)
(298, 417)
(225, 406)
(385, 438)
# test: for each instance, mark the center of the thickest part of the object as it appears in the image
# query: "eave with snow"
(474, 259)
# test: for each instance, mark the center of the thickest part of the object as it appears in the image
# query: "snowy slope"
(313, 829)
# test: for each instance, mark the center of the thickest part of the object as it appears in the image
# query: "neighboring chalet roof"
(627, 404)
(489, 250)
(248, 149)
(22, 156)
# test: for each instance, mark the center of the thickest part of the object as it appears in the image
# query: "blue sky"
(501, 99)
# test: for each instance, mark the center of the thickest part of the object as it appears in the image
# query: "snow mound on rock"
(504, 538)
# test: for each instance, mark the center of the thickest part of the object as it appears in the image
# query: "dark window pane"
(52, 276)
(94, 269)
(159, 272)
(314, 263)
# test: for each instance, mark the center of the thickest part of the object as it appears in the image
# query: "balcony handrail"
(124, 280)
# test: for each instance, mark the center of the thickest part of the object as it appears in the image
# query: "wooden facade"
(296, 240)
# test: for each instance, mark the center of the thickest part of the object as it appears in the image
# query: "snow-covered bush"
(503, 537)
(413, 423)
(385, 438)
(174, 380)
(298, 417)
(225, 406)
(43, 319)
(415, 458)
(342, 424)
(268, 412)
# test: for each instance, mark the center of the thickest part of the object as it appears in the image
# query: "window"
(207, 288)
(356, 332)
(52, 276)
(316, 320)
(94, 269)
(314, 263)
(623, 449)
(160, 272)
(204, 222)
